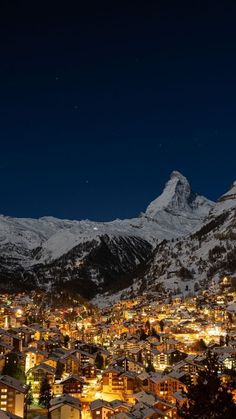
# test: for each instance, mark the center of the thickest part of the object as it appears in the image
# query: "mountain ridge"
(50, 251)
(56, 236)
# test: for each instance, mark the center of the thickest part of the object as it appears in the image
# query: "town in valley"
(62, 357)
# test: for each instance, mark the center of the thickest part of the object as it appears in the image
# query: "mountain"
(178, 199)
(178, 210)
(176, 232)
(200, 258)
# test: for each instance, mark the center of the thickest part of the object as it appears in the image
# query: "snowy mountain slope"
(175, 213)
(178, 199)
(101, 265)
(50, 250)
(225, 202)
(206, 255)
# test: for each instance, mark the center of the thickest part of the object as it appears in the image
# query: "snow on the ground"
(176, 212)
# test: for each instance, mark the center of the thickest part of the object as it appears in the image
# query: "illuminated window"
(3, 403)
(3, 390)
(3, 396)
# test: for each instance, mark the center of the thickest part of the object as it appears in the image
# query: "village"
(133, 359)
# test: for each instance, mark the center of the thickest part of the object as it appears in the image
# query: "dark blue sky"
(99, 105)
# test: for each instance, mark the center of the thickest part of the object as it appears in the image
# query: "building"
(100, 409)
(72, 385)
(129, 364)
(165, 359)
(165, 386)
(36, 374)
(12, 396)
(34, 357)
(65, 407)
(8, 415)
(116, 380)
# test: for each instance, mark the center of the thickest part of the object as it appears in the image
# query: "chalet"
(101, 409)
(84, 357)
(119, 406)
(38, 331)
(36, 374)
(12, 396)
(52, 360)
(145, 411)
(89, 371)
(11, 339)
(71, 363)
(65, 407)
(129, 364)
(34, 357)
(25, 333)
(112, 381)
(164, 359)
(40, 371)
(5, 348)
(165, 385)
(72, 385)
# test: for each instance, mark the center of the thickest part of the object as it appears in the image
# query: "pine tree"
(45, 394)
(200, 346)
(150, 367)
(154, 332)
(99, 361)
(29, 397)
(13, 368)
(148, 326)
(209, 398)
(161, 324)
(66, 340)
(59, 370)
(143, 335)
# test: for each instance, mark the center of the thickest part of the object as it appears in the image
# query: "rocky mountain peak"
(178, 198)
(226, 201)
(177, 175)
(100, 257)
(232, 191)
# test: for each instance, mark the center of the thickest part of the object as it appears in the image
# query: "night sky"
(99, 104)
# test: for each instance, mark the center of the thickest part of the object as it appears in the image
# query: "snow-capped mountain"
(204, 256)
(178, 199)
(226, 201)
(176, 212)
(177, 230)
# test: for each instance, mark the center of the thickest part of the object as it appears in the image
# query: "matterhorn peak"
(175, 194)
(177, 175)
(178, 198)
